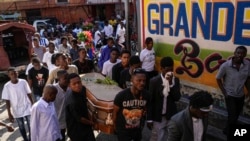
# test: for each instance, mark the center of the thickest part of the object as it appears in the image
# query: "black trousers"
(234, 108)
(63, 134)
(134, 135)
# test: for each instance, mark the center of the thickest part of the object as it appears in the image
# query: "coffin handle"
(109, 120)
(94, 119)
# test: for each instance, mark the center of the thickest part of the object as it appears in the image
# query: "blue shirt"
(74, 54)
(234, 79)
(105, 55)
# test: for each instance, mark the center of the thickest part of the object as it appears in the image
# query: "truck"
(15, 46)
(199, 35)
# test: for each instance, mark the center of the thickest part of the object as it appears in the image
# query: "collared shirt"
(60, 105)
(234, 79)
(105, 55)
(43, 42)
(17, 95)
(197, 129)
(44, 124)
(74, 53)
(62, 49)
(108, 30)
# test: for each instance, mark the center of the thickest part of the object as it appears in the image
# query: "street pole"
(126, 7)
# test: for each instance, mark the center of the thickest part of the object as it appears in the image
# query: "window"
(62, 1)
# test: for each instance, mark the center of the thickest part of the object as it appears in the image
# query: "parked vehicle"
(15, 44)
(37, 24)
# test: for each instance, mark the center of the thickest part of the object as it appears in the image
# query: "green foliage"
(106, 81)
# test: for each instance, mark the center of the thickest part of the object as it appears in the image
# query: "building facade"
(67, 11)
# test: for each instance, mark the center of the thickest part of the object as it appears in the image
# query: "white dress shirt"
(44, 125)
(108, 30)
(197, 128)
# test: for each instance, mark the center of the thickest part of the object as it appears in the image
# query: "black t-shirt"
(125, 79)
(85, 67)
(39, 79)
(116, 72)
(132, 109)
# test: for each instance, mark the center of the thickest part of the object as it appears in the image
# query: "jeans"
(234, 108)
(20, 122)
(159, 131)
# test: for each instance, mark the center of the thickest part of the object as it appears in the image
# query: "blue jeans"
(20, 122)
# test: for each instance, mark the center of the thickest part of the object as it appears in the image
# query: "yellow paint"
(209, 77)
(247, 15)
(222, 21)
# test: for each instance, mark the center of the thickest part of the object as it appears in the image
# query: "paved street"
(16, 136)
(214, 134)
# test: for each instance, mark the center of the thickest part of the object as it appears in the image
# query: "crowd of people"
(57, 99)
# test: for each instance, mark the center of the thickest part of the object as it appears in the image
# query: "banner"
(199, 34)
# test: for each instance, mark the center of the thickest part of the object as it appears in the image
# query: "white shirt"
(147, 58)
(108, 30)
(97, 36)
(107, 68)
(197, 128)
(47, 59)
(17, 95)
(77, 30)
(121, 34)
(44, 125)
(28, 68)
(60, 105)
(53, 67)
(62, 49)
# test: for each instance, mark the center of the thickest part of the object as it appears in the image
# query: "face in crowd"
(63, 60)
(13, 75)
(110, 43)
(138, 79)
(114, 55)
(75, 84)
(51, 47)
(82, 54)
(125, 58)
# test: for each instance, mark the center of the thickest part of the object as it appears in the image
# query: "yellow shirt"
(53, 74)
(112, 22)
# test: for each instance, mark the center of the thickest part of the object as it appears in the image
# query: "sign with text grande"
(199, 34)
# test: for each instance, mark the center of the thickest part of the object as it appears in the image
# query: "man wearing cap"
(191, 123)
(165, 91)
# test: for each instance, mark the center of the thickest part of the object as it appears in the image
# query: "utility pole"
(126, 7)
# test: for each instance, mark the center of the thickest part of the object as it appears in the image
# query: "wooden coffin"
(100, 101)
